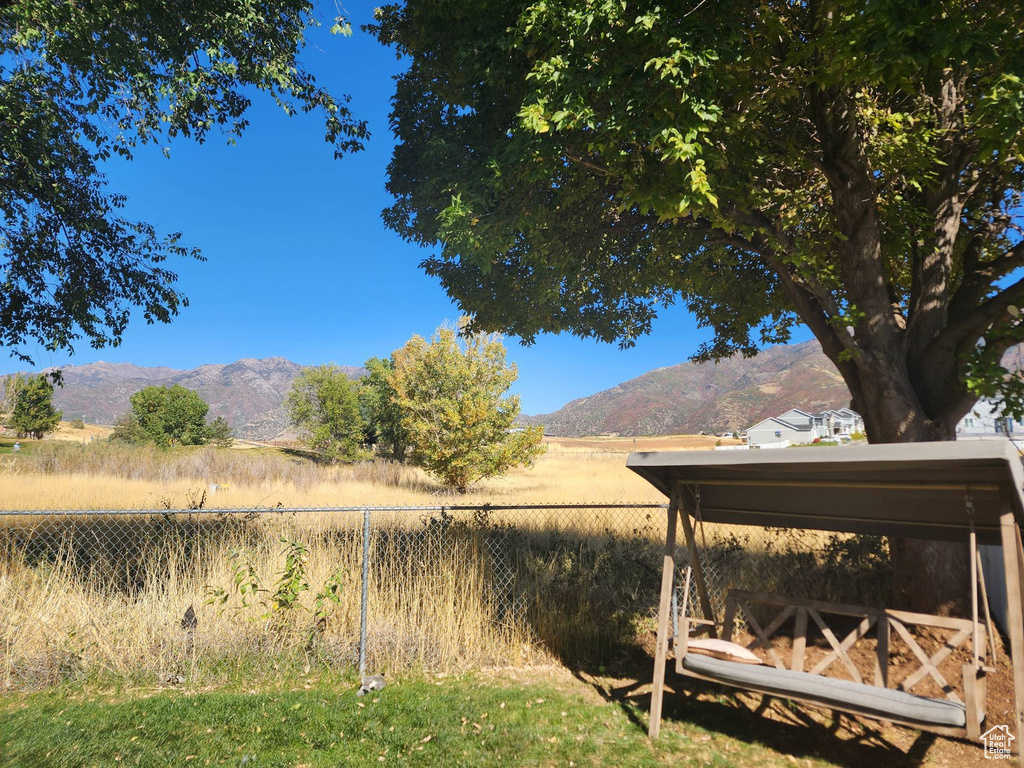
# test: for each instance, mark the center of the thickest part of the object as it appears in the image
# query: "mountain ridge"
(687, 398)
(249, 393)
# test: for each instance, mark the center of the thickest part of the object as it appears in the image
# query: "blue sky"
(299, 263)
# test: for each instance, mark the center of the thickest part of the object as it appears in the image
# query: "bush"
(128, 430)
(78, 423)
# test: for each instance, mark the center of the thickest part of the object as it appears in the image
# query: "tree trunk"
(928, 576)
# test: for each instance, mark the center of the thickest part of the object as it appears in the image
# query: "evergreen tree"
(33, 414)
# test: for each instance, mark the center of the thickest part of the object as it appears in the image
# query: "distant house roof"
(797, 410)
(786, 424)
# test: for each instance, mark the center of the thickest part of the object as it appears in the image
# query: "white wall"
(766, 434)
(983, 419)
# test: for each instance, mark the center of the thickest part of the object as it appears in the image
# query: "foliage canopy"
(166, 416)
(80, 82)
(383, 416)
(452, 394)
(323, 402)
(854, 165)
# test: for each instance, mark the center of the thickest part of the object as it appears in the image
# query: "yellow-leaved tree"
(453, 393)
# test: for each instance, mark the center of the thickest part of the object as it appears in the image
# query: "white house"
(983, 420)
(844, 422)
(799, 426)
(797, 417)
(777, 430)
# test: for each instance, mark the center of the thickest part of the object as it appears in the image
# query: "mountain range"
(248, 393)
(711, 397)
(680, 399)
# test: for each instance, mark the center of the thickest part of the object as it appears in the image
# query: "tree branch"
(987, 314)
(979, 279)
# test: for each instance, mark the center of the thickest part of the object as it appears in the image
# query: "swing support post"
(665, 606)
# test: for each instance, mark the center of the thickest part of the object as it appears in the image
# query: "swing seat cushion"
(881, 703)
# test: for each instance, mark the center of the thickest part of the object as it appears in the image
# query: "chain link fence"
(188, 594)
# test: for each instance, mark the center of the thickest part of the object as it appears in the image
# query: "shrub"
(219, 433)
(128, 430)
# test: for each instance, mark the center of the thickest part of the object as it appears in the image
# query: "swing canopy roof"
(916, 490)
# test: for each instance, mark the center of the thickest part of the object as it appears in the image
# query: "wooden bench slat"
(926, 663)
(848, 642)
(837, 648)
(761, 637)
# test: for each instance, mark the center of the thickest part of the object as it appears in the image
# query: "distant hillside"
(690, 398)
(248, 393)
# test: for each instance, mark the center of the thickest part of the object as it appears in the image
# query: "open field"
(104, 595)
(55, 476)
(626, 445)
(107, 593)
(89, 432)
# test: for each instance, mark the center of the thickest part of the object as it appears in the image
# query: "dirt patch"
(91, 432)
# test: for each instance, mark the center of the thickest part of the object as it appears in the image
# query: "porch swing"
(969, 492)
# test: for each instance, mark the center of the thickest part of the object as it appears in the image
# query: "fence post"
(366, 593)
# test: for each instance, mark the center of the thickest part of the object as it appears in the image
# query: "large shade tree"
(853, 166)
(80, 82)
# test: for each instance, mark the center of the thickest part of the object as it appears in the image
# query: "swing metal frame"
(970, 492)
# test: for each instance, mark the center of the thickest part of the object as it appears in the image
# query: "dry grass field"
(102, 595)
(93, 477)
(625, 445)
(88, 433)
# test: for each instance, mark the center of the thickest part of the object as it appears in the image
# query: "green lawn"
(7, 445)
(451, 722)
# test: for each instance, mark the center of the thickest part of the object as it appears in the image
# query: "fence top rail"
(297, 510)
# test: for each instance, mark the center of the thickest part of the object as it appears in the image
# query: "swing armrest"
(685, 623)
